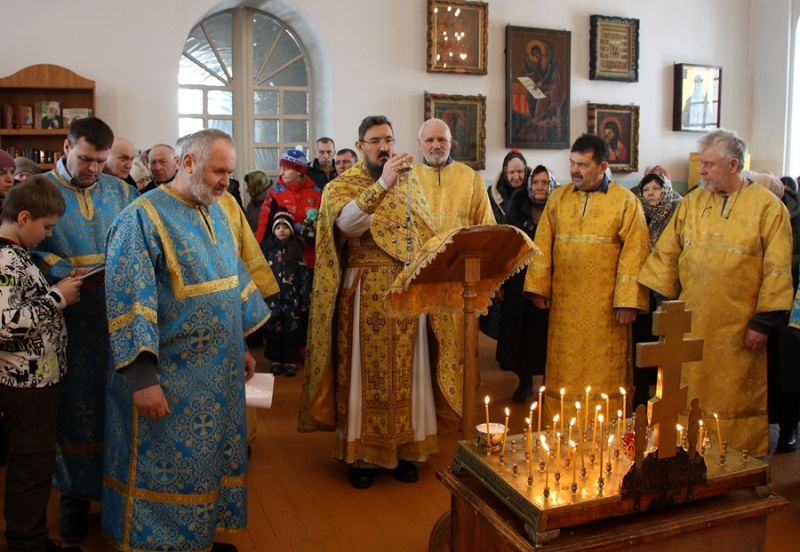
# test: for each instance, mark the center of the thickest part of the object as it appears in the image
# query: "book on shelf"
(9, 120)
(51, 114)
(73, 114)
(24, 115)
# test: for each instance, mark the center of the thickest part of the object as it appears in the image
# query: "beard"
(436, 158)
(200, 192)
(712, 184)
(376, 170)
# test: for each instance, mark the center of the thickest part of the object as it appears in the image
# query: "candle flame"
(588, 388)
(543, 438)
(572, 444)
(610, 439)
(701, 423)
(534, 405)
(572, 422)
(604, 396)
(486, 400)
(563, 390)
(597, 408)
(577, 405)
(715, 415)
(600, 418)
(680, 427)
(555, 419)
(507, 412)
(528, 421)
(619, 413)
(622, 390)
(558, 435)
(547, 449)
(541, 389)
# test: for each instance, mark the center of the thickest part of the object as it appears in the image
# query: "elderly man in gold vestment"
(457, 197)
(594, 238)
(367, 374)
(727, 253)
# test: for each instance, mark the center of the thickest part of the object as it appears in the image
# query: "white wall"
(377, 52)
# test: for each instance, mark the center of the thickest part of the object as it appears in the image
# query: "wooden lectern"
(462, 269)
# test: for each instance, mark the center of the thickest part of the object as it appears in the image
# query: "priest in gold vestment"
(727, 253)
(457, 197)
(367, 374)
(594, 238)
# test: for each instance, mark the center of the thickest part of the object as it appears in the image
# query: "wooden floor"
(300, 499)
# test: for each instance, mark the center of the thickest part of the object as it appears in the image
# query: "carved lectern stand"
(667, 473)
(476, 259)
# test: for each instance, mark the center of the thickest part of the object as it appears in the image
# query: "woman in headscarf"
(659, 201)
(258, 184)
(522, 340)
(514, 176)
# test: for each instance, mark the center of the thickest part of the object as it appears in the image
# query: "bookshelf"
(42, 83)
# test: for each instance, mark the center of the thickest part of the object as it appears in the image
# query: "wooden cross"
(669, 354)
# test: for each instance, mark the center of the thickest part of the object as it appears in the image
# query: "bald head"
(163, 164)
(121, 159)
(434, 141)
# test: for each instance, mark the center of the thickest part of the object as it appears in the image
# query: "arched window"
(245, 72)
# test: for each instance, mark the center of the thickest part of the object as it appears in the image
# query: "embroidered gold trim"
(125, 319)
(726, 247)
(230, 531)
(233, 481)
(85, 260)
(625, 279)
(576, 238)
(85, 202)
(124, 363)
(371, 255)
(197, 207)
(248, 289)
(777, 272)
(257, 326)
(81, 448)
(180, 290)
(371, 198)
(163, 498)
(49, 262)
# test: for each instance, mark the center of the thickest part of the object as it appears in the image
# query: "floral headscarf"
(657, 214)
(553, 185)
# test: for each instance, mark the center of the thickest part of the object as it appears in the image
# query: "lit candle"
(680, 435)
(530, 448)
(594, 427)
(610, 440)
(719, 433)
(574, 462)
(543, 442)
(558, 450)
(586, 414)
(553, 433)
(580, 431)
(539, 428)
(699, 445)
(488, 435)
(620, 421)
(624, 408)
(541, 390)
(571, 423)
(546, 465)
(606, 398)
(601, 445)
(505, 434)
(562, 412)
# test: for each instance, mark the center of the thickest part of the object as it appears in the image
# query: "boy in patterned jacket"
(33, 339)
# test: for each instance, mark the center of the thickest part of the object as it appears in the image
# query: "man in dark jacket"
(322, 170)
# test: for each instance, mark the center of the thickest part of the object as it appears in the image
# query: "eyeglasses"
(378, 141)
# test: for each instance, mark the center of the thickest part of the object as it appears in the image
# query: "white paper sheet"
(258, 390)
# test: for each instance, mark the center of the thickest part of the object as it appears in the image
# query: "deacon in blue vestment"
(180, 303)
(78, 243)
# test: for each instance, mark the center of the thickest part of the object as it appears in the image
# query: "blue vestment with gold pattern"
(176, 287)
(79, 240)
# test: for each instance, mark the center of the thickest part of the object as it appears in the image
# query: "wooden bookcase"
(40, 83)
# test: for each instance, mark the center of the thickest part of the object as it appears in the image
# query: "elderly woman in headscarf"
(659, 201)
(514, 176)
(522, 340)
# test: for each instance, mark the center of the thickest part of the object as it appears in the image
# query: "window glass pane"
(265, 30)
(266, 159)
(294, 75)
(285, 50)
(198, 47)
(220, 102)
(191, 73)
(189, 125)
(295, 103)
(190, 101)
(265, 102)
(225, 125)
(266, 131)
(295, 131)
(220, 28)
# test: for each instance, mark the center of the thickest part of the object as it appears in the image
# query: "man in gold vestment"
(594, 239)
(457, 197)
(727, 253)
(367, 375)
